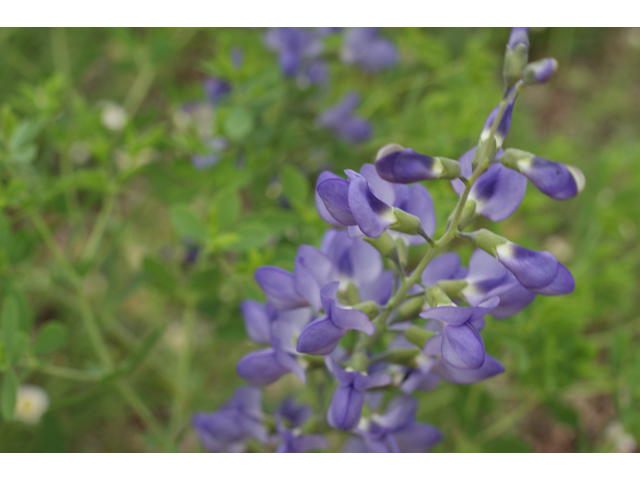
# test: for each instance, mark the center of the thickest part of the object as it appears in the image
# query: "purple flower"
(322, 335)
(295, 414)
(518, 36)
(341, 120)
(458, 340)
(298, 50)
(505, 124)
(463, 376)
(215, 89)
(348, 399)
(557, 180)
(497, 193)
(265, 366)
(294, 442)
(365, 48)
(540, 71)
(357, 263)
(237, 57)
(403, 165)
(229, 428)
(207, 160)
(531, 268)
(397, 431)
(366, 200)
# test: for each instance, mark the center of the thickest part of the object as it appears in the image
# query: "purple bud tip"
(540, 71)
(519, 36)
(407, 166)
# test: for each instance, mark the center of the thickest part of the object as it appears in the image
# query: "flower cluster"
(384, 328)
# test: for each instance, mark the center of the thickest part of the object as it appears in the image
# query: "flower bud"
(516, 55)
(554, 179)
(540, 71)
(407, 166)
(409, 310)
(436, 297)
(418, 336)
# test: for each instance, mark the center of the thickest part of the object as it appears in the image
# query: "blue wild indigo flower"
(364, 47)
(341, 120)
(353, 307)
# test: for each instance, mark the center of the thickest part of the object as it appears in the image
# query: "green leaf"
(51, 337)
(227, 207)
(239, 123)
(26, 131)
(20, 342)
(9, 318)
(9, 394)
(158, 275)
(186, 222)
(295, 186)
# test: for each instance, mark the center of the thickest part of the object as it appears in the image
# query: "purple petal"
(498, 192)
(306, 443)
(552, 178)
(519, 36)
(334, 193)
(372, 215)
(350, 318)
(561, 285)
(320, 337)
(505, 124)
(256, 321)
(532, 269)
(382, 189)
(462, 347)
(279, 287)
(345, 409)
(449, 314)
(408, 166)
(364, 382)
(400, 413)
(344, 378)
(379, 289)
(322, 210)
(513, 298)
(490, 368)
(291, 364)
(418, 438)
(260, 367)
(420, 204)
(444, 267)
(312, 271)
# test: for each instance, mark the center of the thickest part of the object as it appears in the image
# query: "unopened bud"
(409, 310)
(407, 166)
(418, 336)
(436, 297)
(370, 308)
(540, 71)
(486, 240)
(406, 223)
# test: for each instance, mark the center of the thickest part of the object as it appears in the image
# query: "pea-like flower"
(557, 180)
(397, 431)
(497, 193)
(397, 164)
(342, 121)
(229, 428)
(216, 89)
(321, 336)
(265, 366)
(459, 340)
(367, 201)
(298, 51)
(291, 439)
(365, 47)
(346, 405)
(540, 71)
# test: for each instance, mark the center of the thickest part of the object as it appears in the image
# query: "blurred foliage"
(122, 265)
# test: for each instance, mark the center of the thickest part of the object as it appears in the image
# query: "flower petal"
(256, 321)
(418, 438)
(498, 192)
(563, 284)
(260, 367)
(372, 215)
(345, 409)
(334, 193)
(320, 337)
(532, 269)
(490, 368)
(462, 347)
(322, 209)
(279, 287)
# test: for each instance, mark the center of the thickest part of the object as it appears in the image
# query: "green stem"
(182, 371)
(99, 228)
(64, 372)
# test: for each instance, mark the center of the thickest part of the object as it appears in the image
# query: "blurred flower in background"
(31, 403)
(365, 48)
(343, 122)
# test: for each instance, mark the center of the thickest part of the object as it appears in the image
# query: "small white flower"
(113, 116)
(31, 404)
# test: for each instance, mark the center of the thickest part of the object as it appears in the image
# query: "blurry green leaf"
(159, 275)
(20, 343)
(252, 235)
(227, 206)
(52, 436)
(295, 186)
(9, 394)
(9, 321)
(204, 279)
(51, 337)
(187, 223)
(25, 154)
(563, 412)
(239, 123)
(26, 131)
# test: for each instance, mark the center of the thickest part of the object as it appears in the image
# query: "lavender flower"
(397, 431)
(215, 89)
(322, 335)
(364, 47)
(298, 51)
(341, 120)
(403, 165)
(348, 399)
(557, 180)
(207, 160)
(229, 428)
(540, 71)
